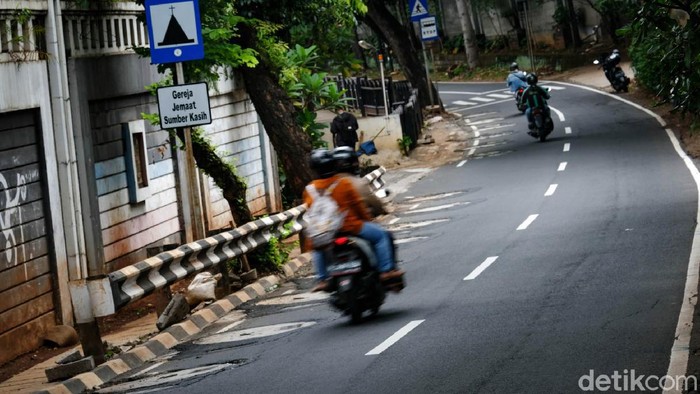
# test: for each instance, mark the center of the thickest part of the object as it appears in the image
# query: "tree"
(402, 42)
(468, 33)
(665, 50)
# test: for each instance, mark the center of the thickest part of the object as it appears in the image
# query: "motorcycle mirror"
(596, 61)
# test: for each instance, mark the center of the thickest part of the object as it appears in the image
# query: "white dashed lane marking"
(562, 166)
(567, 130)
(478, 270)
(460, 102)
(524, 225)
(567, 147)
(500, 96)
(395, 338)
(552, 188)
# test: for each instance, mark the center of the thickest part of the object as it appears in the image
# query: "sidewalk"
(34, 379)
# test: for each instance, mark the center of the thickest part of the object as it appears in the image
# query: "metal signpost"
(175, 34)
(428, 32)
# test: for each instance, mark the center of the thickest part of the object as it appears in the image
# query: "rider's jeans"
(381, 243)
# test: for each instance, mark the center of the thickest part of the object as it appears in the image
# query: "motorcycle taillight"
(340, 241)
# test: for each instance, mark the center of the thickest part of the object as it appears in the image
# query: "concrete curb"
(175, 334)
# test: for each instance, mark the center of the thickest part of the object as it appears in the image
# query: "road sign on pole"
(184, 105)
(428, 29)
(174, 30)
(418, 10)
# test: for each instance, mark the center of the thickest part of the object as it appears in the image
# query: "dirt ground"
(448, 144)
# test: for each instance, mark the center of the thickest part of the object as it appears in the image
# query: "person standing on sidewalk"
(344, 129)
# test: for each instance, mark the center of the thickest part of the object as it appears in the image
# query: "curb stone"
(177, 333)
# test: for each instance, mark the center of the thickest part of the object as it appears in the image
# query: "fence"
(21, 35)
(131, 283)
(366, 95)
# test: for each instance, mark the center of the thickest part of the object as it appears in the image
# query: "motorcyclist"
(516, 78)
(356, 221)
(534, 97)
(348, 166)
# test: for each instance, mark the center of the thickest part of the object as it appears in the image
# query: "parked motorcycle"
(613, 72)
(518, 95)
(353, 281)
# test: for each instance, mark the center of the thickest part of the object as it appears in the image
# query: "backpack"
(323, 218)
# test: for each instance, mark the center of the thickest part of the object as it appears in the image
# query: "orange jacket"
(348, 200)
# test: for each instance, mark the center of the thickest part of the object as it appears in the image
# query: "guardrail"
(131, 283)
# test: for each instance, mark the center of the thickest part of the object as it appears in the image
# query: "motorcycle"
(613, 72)
(353, 281)
(518, 94)
(543, 124)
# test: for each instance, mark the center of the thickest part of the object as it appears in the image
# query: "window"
(136, 158)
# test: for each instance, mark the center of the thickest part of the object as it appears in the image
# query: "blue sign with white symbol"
(418, 10)
(174, 30)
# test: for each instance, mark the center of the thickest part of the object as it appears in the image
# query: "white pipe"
(65, 145)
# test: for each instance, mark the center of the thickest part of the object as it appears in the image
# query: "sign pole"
(427, 73)
(193, 217)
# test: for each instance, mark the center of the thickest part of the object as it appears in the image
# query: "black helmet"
(322, 163)
(514, 66)
(532, 79)
(346, 160)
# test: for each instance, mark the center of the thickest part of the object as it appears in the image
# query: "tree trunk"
(233, 188)
(383, 22)
(277, 114)
(573, 24)
(468, 33)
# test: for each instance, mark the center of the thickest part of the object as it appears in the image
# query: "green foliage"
(309, 90)
(665, 54)
(405, 143)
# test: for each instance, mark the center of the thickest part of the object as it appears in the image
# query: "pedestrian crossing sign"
(418, 9)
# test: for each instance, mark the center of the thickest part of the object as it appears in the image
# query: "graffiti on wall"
(12, 206)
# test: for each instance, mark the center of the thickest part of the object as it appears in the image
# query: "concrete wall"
(112, 88)
(26, 86)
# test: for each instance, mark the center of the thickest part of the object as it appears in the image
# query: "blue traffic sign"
(418, 10)
(174, 30)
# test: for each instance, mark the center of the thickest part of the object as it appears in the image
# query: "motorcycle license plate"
(344, 268)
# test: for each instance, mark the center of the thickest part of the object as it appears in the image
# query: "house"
(87, 186)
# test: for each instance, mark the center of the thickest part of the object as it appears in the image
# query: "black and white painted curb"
(176, 334)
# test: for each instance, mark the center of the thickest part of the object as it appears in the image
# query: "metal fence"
(365, 95)
(131, 283)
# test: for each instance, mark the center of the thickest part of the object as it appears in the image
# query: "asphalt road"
(531, 268)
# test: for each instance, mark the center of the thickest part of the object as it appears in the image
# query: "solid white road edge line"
(562, 166)
(550, 190)
(478, 270)
(395, 338)
(567, 147)
(527, 222)
(678, 363)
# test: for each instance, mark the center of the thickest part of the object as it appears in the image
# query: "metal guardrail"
(143, 278)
